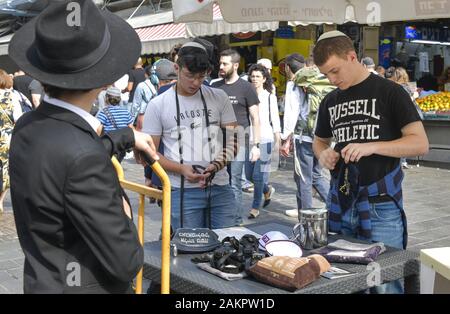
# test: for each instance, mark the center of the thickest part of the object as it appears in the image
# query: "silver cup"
(312, 230)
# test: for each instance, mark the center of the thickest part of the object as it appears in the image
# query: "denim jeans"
(312, 174)
(257, 172)
(387, 227)
(195, 204)
(236, 167)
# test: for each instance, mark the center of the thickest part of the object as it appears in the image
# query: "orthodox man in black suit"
(73, 224)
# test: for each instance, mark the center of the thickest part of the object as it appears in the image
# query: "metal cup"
(312, 230)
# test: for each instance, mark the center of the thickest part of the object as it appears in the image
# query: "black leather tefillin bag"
(234, 256)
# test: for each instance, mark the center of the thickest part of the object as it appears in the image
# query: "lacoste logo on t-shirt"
(195, 125)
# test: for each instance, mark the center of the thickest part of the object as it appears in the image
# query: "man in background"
(245, 102)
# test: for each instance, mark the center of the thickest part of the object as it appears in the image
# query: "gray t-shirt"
(36, 88)
(161, 119)
(242, 95)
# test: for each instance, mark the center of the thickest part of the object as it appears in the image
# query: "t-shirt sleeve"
(101, 117)
(251, 95)
(36, 88)
(404, 110)
(275, 117)
(129, 118)
(152, 119)
(131, 78)
(323, 128)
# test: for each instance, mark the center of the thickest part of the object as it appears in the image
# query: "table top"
(186, 277)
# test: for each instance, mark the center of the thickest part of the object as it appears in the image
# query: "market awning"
(312, 11)
(219, 26)
(161, 38)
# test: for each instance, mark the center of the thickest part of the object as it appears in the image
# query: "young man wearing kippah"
(374, 123)
(188, 119)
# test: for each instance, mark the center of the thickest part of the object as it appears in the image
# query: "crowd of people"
(340, 115)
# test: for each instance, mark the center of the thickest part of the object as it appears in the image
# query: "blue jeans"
(236, 167)
(258, 173)
(195, 204)
(312, 174)
(387, 227)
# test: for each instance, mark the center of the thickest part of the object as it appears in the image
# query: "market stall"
(436, 109)
(423, 50)
(188, 278)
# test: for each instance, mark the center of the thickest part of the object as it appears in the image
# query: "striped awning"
(161, 38)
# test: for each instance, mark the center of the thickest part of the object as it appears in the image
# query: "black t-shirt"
(135, 76)
(242, 95)
(22, 84)
(372, 111)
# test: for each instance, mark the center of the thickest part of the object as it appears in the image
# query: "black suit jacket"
(67, 205)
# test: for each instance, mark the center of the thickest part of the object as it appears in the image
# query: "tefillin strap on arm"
(229, 152)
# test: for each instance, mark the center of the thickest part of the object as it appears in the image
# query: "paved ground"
(426, 202)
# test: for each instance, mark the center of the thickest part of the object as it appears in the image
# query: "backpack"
(316, 86)
(152, 90)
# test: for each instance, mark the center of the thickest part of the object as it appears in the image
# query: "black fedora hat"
(85, 52)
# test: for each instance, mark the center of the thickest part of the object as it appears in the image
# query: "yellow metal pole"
(141, 239)
(165, 245)
(165, 197)
(118, 167)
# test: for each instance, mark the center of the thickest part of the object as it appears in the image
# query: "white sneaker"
(129, 155)
(292, 213)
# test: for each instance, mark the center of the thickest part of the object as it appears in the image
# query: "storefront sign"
(245, 39)
(428, 7)
(428, 32)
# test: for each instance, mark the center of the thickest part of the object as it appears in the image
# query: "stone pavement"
(426, 200)
(11, 256)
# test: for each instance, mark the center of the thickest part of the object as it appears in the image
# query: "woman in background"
(400, 76)
(269, 119)
(10, 112)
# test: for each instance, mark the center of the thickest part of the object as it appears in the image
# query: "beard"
(227, 74)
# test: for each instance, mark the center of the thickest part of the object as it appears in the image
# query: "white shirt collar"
(91, 120)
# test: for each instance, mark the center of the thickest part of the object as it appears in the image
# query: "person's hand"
(206, 174)
(255, 153)
(126, 207)
(285, 148)
(276, 146)
(144, 143)
(276, 142)
(139, 122)
(354, 152)
(328, 158)
(189, 173)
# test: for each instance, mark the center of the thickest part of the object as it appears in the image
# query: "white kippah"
(332, 34)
